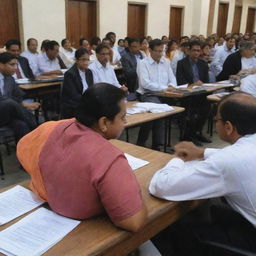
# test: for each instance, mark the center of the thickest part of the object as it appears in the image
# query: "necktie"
(18, 74)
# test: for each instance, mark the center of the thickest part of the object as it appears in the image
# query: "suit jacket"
(72, 90)
(129, 64)
(25, 67)
(231, 66)
(12, 90)
(184, 74)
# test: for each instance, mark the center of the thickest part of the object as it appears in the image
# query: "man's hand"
(187, 151)
(170, 88)
(31, 106)
(124, 88)
(197, 83)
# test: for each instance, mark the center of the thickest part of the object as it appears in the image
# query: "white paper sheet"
(15, 202)
(135, 162)
(36, 233)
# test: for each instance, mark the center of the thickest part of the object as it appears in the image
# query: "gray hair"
(246, 45)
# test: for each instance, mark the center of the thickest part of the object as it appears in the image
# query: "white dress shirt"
(68, 57)
(47, 65)
(155, 76)
(83, 78)
(32, 60)
(220, 56)
(1, 84)
(116, 55)
(248, 84)
(248, 63)
(229, 172)
(175, 60)
(103, 74)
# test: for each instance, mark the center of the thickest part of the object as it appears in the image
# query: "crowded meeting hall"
(128, 128)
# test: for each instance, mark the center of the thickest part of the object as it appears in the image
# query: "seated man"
(31, 54)
(228, 172)
(155, 75)
(221, 54)
(193, 71)
(239, 61)
(13, 112)
(67, 53)
(77, 170)
(116, 55)
(49, 62)
(102, 71)
(129, 62)
(248, 84)
(23, 68)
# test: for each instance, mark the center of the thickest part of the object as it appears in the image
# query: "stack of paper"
(135, 162)
(15, 202)
(35, 234)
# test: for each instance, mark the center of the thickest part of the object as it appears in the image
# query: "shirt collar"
(99, 65)
(151, 60)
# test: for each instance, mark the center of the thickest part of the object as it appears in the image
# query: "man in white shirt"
(228, 172)
(48, 61)
(67, 53)
(248, 85)
(31, 54)
(155, 75)
(102, 71)
(221, 54)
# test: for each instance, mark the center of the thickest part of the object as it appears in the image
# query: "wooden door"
(222, 19)
(9, 21)
(136, 20)
(80, 20)
(175, 26)
(211, 17)
(250, 20)
(237, 19)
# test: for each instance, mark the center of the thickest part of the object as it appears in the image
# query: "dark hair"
(63, 41)
(80, 52)
(11, 42)
(44, 43)
(132, 40)
(6, 57)
(194, 43)
(100, 100)
(100, 47)
(81, 40)
(154, 43)
(29, 40)
(164, 37)
(50, 45)
(142, 39)
(170, 43)
(185, 44)
(95, 40)
(204, 45)
(239, 112)
(109, 34)
(120, 40)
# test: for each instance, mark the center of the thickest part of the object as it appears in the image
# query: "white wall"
(43, 19)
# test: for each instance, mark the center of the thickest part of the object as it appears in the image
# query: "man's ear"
(103, 124)
(229, 128)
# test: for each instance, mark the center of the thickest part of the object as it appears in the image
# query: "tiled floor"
(15, 174)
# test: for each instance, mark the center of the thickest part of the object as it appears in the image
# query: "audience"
(23, 69)
(31, 54)
(76, 81)
(73, 161)
(14, 113)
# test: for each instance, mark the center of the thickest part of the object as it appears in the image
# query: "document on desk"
(35, 234)
(135, 162)
(15, 202)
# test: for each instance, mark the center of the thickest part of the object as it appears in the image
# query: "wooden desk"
(98, 236)
(37, 90)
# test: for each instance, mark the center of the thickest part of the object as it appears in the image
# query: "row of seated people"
(97, 179)
(191, 70)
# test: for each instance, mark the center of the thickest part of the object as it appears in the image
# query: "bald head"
(239, 109)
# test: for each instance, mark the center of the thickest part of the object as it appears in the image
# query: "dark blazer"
(72, 90)
(231, 66)
(25, 67)
(184, 74)
(12, 90)
(129, 64)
